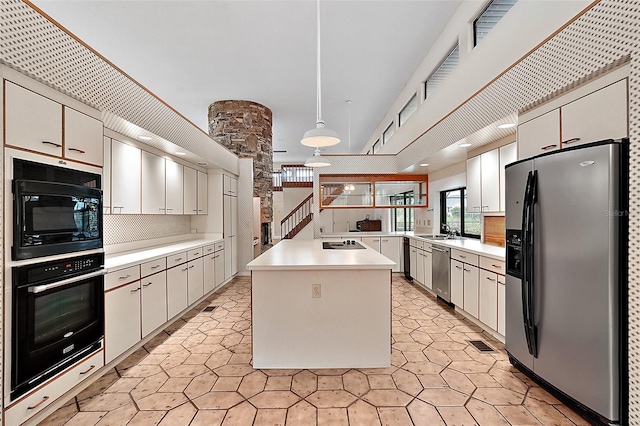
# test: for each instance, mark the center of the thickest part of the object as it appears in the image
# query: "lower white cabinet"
(209, 261)
(501, 304)
(176, 290)
(230, 257)
(470, 280)
(373, 242)
(391, 247)
(122, 319)
(420, 266)
(195, 280)
(218, 268)
(154, 302)
(457, 283)
(488, 301)
(413, 260)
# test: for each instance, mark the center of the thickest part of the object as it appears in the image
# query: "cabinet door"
(508, 154)
(428, 266)
(209, 272)
(230, 216)
(373, 242)
(470, 289)
(174, 175)
(597, 116)
(153, 185)
(234, 255)
(195, 279)
(83, 137)
(542, 134)
(190, 191)
(490, 169)
(234, 216)
(219, 267)
(474, 186)
(32, 121)
(106, 176)
(501, 305)
(230, 186)
(413, 261)
(176, 290)
(391, 247)
(122, 319)
(154, 302)
(457, 286)
(202, 193)
(488, 300)
(420, 266)
(125, 178)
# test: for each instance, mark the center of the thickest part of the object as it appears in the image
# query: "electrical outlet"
(316, 291)
(428, 222)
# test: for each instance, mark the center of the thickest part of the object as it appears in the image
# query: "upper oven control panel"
(55, 269)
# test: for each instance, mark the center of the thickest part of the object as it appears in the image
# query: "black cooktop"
(342, 245)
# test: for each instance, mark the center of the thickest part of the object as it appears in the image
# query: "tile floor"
(198, 372)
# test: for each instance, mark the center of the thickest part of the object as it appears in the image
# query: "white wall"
(291, 197)
(428, 220)
(278, 208)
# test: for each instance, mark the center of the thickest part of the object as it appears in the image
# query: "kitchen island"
(321, 308)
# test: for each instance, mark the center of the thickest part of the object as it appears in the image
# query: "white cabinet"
(32, 121)
(428, 267)
(125, 178)
(457, 283)
(413, 261)
(230, 232)
(391, 247)
(106, 176)
(176, 290)
(122, 319)
(202, 185)
(195, 280)
(83, 137)
(190, 191)
(501, 304)
(153, 302)
(483, 188)
(209, 262)
(420, 266)
(597, 116)
(488, 299)
(174, 179)
(508, 154)
(230, 186)
(470, 280)
(539, 135)
(153, 184)
(218, 267)
(373, 242)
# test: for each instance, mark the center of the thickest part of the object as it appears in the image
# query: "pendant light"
(320, 136)
(317, 160)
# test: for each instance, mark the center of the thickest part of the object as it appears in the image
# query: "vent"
(481, 346)
(279, 151)
(209, 309)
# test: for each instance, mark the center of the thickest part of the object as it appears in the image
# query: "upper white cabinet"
(484, 189)
(174, 187)
(508, 154)
(539, 135)
(600, 115)
(39, 124)
(125, 178)
(83, 136)
(153, 184)
(230, 186)
(202, 188)
(106, 176)
(33, 122)
(190, 191)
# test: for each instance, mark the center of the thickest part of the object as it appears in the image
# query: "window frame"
(375, 146)
(480, 15)
(391, 127)
(405, 212)
(456, 47)
(463, 212)
(413, 98)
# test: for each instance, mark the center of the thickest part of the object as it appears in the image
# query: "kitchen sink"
(436, 237)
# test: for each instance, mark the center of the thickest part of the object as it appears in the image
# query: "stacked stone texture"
(244, 127)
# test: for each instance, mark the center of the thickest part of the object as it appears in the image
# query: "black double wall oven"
(58, 280)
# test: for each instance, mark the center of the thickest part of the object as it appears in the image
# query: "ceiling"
(193, 53)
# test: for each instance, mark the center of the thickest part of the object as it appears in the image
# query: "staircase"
(297, 219)
(333, 190)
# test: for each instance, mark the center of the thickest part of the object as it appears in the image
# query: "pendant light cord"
(349, 121)
(319, 120)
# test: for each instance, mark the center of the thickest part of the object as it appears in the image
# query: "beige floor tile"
(99, 385)
(458, 381)
(443, 397)
(175, 384)
(394, 416)
(124, 385)
(485, 414)
(432, 381)
(240, 359)
(197, 359)
(498, 396)
(161, 401)
(380, 381)
(252, 384)
(546, 413)
(200, 385)
(571, 415)
(270, 417)
(181, 415)
(407, 382)
(218, 359)
(333, 417)
(305, 383)
(60, 416)
(483, 380)
(119, 416)
(87, 418)
(149, 385)
(240, 415)
(278, 383)
(105, 402)
(331, 399)
(274, 399)
(424, 414)
(387, 398)
(517, 415)
(234, 370)
(542, 395)
(228, 384)
(361, 413)
(147, 418)
(456, 416)
(302, 414)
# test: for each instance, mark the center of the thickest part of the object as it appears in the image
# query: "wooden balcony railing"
(296, 176)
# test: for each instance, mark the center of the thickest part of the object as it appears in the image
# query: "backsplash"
(125, 228)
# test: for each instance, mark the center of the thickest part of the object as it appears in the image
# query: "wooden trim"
(372, 178)
(292, 212)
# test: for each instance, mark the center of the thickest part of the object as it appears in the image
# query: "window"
(489, 17)
(375, 147)
(408, 109)
(442, 72)
(454, 216)
(403, 218)
(388, 132)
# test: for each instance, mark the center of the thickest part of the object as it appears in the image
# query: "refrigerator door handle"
(525, 261)
(532, 332)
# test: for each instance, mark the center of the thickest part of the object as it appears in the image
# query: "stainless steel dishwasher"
(441, 272)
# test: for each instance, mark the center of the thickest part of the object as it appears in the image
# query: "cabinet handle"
(572, 140)
(216, 256)
(178, 259)
(116, 207)
(461, 256)
(33, 407)
(135, 290)
(496, 266)
(196, 254)
(195, 210)
(124, 278)
(458, 267)
(57, 145)
(191, 267)
(491, 279)
(169, 209)
(200, 210)
(185, 269)
(79, 151)
(155, 267)
(162, 208)
(467, 270)
(146, 285)
(87, 370)
(553, 145)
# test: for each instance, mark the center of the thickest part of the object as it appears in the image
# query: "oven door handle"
(40, 288)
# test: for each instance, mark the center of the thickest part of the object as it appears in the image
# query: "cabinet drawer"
(195, 253)
(209, 249)
(152, 267)
(493, 265)
(176, 259)
(466, 257)
(32, 404)
(123, 276)
(219, 246)
(427, 247)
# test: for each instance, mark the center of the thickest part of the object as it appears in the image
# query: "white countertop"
(309, 255)
(121, 260)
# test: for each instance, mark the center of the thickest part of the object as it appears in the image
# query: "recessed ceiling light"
(202, 163)
(464, 145)
(180, 153)
(144, 138)
(424, 164)
(506, 125)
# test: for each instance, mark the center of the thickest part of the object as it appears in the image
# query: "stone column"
(244, 127)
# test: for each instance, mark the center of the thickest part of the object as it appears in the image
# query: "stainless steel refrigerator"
(566, 284)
